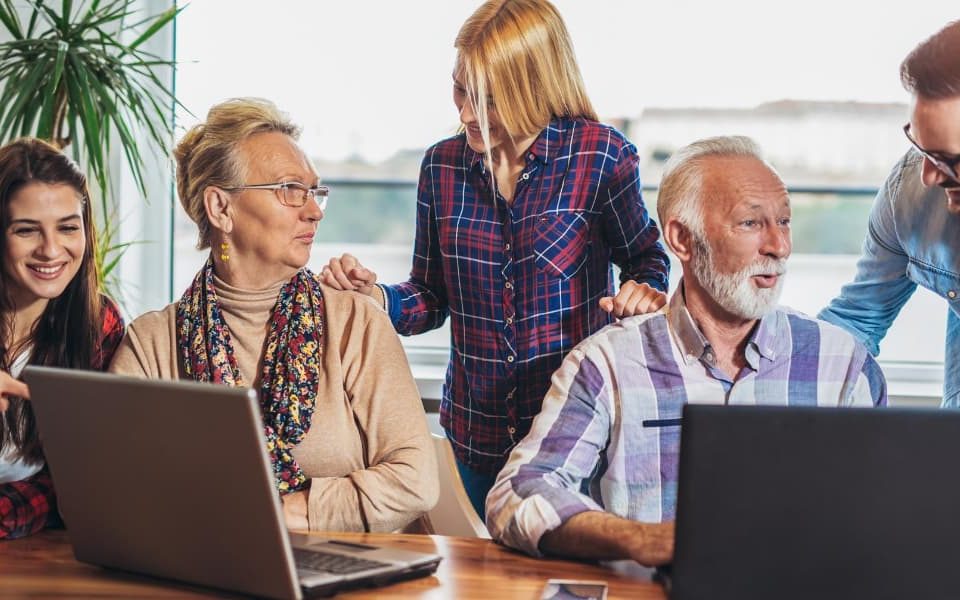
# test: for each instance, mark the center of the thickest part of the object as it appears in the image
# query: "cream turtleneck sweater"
(368, 451)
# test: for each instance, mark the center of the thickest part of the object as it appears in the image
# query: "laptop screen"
(804, 502)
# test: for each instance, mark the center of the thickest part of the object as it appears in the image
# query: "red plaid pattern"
(27, 506)
(521, 281)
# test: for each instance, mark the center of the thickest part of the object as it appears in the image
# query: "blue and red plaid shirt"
(521, 280)
(30, 505)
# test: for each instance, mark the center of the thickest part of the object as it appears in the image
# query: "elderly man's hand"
(11, 387)
(346, 273)
(634, 299)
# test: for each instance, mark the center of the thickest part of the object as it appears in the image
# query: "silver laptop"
(172, 479)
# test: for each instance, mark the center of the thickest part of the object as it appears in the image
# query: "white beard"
(735, 292)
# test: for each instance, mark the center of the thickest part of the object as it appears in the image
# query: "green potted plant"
(76, 76)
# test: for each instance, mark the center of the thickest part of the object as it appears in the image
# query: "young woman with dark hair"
(51, 312)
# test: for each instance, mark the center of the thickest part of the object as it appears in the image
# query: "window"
(816, 83)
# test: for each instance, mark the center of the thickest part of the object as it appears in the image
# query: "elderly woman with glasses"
(344, 425)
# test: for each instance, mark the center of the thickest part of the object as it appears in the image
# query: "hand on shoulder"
(634, 299)
(346, 273)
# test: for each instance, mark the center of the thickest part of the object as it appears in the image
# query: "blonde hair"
(518, 54)
(207, 154)
(681, 186)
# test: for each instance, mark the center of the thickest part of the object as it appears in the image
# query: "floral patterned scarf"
(290, 363)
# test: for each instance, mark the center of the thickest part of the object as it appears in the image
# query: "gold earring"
(223, 251)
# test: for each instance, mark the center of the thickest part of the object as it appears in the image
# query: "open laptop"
(778, 502)
(172, 479)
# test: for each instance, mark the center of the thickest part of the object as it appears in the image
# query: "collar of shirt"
(544, 148)
(766, 339)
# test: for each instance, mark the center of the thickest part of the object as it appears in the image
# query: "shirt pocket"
(561, 242)
(940, 282)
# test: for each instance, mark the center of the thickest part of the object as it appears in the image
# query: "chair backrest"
(453, 514)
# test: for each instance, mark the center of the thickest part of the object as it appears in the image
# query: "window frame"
(913, 383)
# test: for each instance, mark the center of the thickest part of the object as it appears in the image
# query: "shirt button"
(510, 359)
(526, 176)
(952, 294)
(509, 320)
(708, 356)
(508, 285)
(506, 248)
(511, 430)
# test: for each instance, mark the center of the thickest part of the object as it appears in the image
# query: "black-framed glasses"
(948, 166)
(291, 193)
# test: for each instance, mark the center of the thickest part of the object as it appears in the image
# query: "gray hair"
(207, 153)
(681, 191)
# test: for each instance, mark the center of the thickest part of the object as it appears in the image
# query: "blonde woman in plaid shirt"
(519, 219)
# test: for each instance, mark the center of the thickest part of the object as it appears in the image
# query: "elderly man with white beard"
(596, 477)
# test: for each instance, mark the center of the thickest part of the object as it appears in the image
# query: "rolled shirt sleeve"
(867, 306)
(542, 484)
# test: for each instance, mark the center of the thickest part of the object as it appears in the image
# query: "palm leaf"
(70, 74)
(107, 266)
(32, 24)
(47, 13)
(93, 9)
(10, 19)
(26, 87)
(28, 117)
(164, 18)
(46, 126)
(90, 120)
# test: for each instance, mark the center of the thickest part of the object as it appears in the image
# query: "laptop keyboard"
(333, 563)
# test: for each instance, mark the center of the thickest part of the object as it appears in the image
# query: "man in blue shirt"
(913, 235)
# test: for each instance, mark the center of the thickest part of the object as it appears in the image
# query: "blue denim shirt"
(911, 240)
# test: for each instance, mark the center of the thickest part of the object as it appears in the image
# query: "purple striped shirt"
(608, 436)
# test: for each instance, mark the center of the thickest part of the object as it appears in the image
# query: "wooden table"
(43, 566)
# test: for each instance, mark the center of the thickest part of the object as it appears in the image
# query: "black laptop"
(817, 503)
(171, 479)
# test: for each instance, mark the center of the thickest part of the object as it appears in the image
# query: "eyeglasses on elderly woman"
(290, 193)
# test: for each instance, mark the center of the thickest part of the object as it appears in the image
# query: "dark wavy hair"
(66, 334)
(932, 69)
